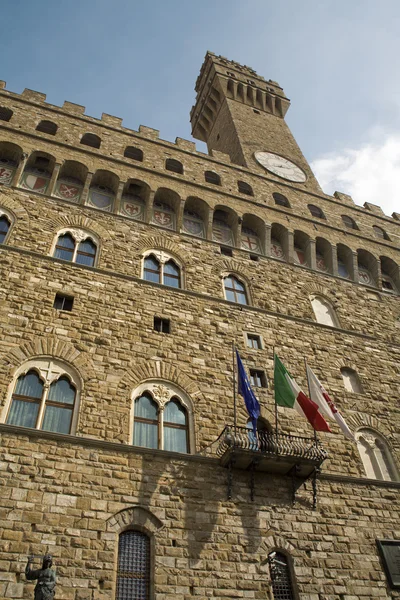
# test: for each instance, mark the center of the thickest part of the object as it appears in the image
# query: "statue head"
(47, 561)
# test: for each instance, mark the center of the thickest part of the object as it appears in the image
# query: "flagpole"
(234, 392)
(309, 395)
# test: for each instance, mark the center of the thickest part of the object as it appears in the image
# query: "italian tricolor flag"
(288, 393)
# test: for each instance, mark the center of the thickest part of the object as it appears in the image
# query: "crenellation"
(111, 120)
(149, 132)
(75, 109)
(34, 96)
(374, 208)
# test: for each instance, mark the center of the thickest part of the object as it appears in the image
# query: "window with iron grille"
(133, 574)
(282, 587)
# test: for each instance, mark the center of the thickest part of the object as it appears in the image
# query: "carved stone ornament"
(162, 394)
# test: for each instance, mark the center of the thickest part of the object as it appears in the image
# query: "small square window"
(254, 257)
(63, 302)
(226, 251)
(258, 378)
(254, 341)
(162, 325)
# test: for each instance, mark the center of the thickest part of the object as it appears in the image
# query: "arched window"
(133, 570)
(212, 177)
(281, 577)
(47, 127)
(193, 223)
(279, 241)
(281, 200)
(349, 222)
(160, 267)
(367, 268)
(133, 200)
(376, 456)
(5, 225)
(301, 243)
(324, 311)
(380, 233)
(71, 181)
(174, 165)
(45, 396)
(103, 190)
(235, 290)
(245, 188)
(77, 247)
(345, 262)
(175, 427)
(390, 274)
(91, 139)
(222, 227)
(351, 380)
(165, 207)
(134, 153)
(250, 240)
(316, 211)
(5, 113)
(160, 420)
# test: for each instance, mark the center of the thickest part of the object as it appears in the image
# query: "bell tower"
(240, 113)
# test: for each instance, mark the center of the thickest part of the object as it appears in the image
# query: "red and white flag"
(320, 396)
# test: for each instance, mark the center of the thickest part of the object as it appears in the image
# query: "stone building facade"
(130, 266)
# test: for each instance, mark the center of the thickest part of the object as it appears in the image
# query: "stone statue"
(46, 576)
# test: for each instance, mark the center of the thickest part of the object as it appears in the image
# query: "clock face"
(280, 166)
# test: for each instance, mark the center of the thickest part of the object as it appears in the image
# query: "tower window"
(134, 153)
(316, 211)
(63, 302)
(349, 222)
(92, 140)
(162, 325)
(47, 127)
(245, 188)
(174, 165)
(235, 290)
(281, 200)
(83, 252)
(254, 341)
(5, 113)
(380, 233)
(212, 177)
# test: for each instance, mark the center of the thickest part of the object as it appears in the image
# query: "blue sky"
(335, 59)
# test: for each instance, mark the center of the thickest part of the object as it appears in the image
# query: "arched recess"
(345, 262)
(196, 217)
(165, 210)
(225, 226)
(71, 180)
(38, 171)
(324, 258)
(10, 157)
(135, 197)
(376, 455)
(302, 248)
(368, 270)
(103, 189)
(390, 274)
(279, 241)
(324, 311)
(253, 234)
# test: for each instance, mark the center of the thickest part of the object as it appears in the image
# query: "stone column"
(85, 191)
(334, 260)
(149, 207)
(288, 246)
(267, 239)
(179, 216)
(53, 179)
(354, 274)
(118, 197)
(18, 171)
(311, 258)
(209, 225)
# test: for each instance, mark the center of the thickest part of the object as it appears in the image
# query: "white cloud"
(370, 173)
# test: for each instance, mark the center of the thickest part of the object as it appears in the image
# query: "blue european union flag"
(244, 389)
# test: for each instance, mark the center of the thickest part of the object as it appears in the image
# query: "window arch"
(161, 267)
(279, 241)
(47, 127)
(324, 311)
(174, 165)
(165, 208)
(71, 181)
(76, 246)
(91, 139)
(133, 568)
(245, 188)
(45, 396)
(390, 274)
(316, 211)
(235, 290)
(5, 225)
(349, 222)
(134, 153)
(281, 200)
(10, 157)
(380, 233)
(133, 201)
(375, 455)
(103, 190)
(367, 268)
(351, 380)
(162, 418)
(212, 177)
(282, 579)
(224, 221)
(302, 248)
